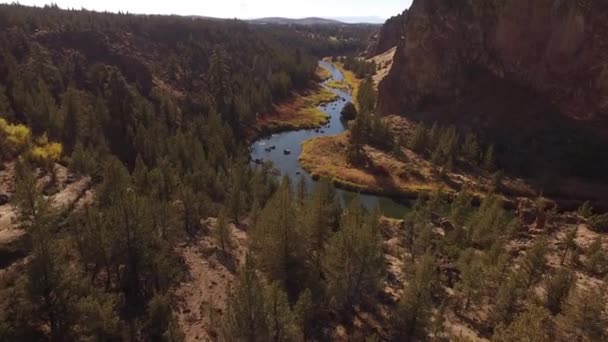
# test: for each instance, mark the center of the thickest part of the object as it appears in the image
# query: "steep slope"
(389, 36)
(555, 48)
(525, 74)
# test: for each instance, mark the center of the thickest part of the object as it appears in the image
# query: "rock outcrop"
(389, 36)
(555, 49)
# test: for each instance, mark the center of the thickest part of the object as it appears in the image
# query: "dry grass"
(351, 81)
(408, 175)
(337, 85)
(326, 157)
(323, 74)
(299, 112)
(385, 63)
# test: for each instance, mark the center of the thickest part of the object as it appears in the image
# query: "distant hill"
(314, 21)
(304, 21)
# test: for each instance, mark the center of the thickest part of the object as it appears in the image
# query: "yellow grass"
(323, 73)
(299, 112)
(351, 81)
(325, 157)
(337, 85)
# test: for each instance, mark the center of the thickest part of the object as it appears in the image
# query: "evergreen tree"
(489, 160)
(354, 261)
(412, 317)
(569, 243)
(471, 276)
(584, 317)
(246, 313)
(282, 323)
(161, 324)
(596, 257)
(222, 234)
(535, 324)
(471, 148)
(366, 96)
(535, 261)
(275, 240)
(418, 141)
(557, 289)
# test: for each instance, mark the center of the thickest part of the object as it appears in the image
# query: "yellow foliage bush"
(49, 152)
(16, 139)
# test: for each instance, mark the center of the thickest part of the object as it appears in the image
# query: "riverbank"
(300, 111)
(406, 176)
(350, 81)
(325, 157)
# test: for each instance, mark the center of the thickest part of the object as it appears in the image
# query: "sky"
(242, 9)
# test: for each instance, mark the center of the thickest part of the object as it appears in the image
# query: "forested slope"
(154, 108)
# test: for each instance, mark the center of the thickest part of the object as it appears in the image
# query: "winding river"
(292, 141)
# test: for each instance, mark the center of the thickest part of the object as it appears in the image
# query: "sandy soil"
(201, 299)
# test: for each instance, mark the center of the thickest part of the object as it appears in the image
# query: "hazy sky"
(241, 8)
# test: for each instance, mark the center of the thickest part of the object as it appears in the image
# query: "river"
(292, 141)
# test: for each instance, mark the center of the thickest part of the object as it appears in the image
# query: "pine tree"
(161, 324)
(366, 96)
(471, 276)
(354, 261)
(471, 148)
(412, 317)
(557, 289)
(569, 243)
(535, 261)
(535, 324)
(282, 323)
(246, 312)
(222, 234)
(596, 257)
(584, 317)
(507, 299)
(32, 207)
(320, 219)
(489, 160)
(275, 240)
(418, 141)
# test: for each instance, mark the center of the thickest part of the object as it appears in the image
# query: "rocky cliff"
(388, 37)
(557, 50)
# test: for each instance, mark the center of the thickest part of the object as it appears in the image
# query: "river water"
(292, 141)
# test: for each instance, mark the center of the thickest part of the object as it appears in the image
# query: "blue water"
(292, 141)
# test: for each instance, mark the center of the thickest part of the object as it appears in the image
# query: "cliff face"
(389, 36)
(557, 50)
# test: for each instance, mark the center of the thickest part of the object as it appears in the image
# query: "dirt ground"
(69, 195)
(201, 298)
